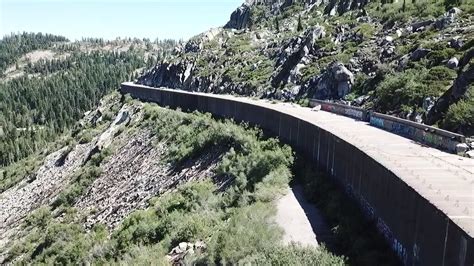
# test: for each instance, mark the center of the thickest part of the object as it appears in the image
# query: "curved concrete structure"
(431, 136)
(421, 199)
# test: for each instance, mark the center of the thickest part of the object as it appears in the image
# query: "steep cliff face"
(357, 52)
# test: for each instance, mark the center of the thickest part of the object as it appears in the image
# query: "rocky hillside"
(150, 185)
(135, 183)
(406, 58)
(47, 83)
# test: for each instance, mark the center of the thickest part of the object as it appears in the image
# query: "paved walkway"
(301, 221)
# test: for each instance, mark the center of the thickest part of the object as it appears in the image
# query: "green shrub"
(236, 242)
(393, 12)
(127, 98)
(108, 116)
(85, 136)
(39, 218)
(400, 89)
(410, 87)
(366, 29)
(16, 172)
(309, 71)
(460, 116)
(250, 160)
(438, 56)
(296, 255)
(80, 183)
(143, 255)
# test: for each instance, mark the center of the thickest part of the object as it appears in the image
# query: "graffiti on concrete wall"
(412, 132)
(328, 107)
(382, 227)
(354, 113)
(397, 246)
(432, 139)
(359, 114)
(416, 254)
(402, 129)
(376, 121)
(367, 209)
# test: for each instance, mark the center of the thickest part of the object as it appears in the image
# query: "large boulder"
(192, 46)
(335, 83)
(456, 43)
(448, 18)
(452, 63)
(420, 25)
(419, 54)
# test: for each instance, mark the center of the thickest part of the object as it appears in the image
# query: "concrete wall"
(418, 232)
(431, 136)
(350, 111)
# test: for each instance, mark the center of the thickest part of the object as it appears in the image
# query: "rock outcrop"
(335, 83)
(342, 6)
(167, 74)
(178, 254)
(134, 174)
(285, 50)
(292, 53)
(240, 18)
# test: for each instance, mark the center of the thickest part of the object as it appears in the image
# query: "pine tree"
(300, 25)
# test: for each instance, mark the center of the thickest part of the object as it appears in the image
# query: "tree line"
(36, 109)
(13, 46)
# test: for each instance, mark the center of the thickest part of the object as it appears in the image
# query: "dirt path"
(301, 221)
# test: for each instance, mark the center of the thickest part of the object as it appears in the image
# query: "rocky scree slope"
(410, 59)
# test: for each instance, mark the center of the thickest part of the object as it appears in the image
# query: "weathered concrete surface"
(293, 220)
(421, 199)
(301, 221)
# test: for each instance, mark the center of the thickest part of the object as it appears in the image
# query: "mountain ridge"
(362, 53)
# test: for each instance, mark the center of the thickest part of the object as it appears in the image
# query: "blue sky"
(74, 19)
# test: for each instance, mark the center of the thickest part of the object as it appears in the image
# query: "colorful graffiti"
(403, 129)
(328, 107)
(376, 121)
(430, 138)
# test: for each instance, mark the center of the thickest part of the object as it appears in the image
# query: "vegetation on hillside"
(53, 94)
(258, 169)
(13, 46)
(34, 110)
